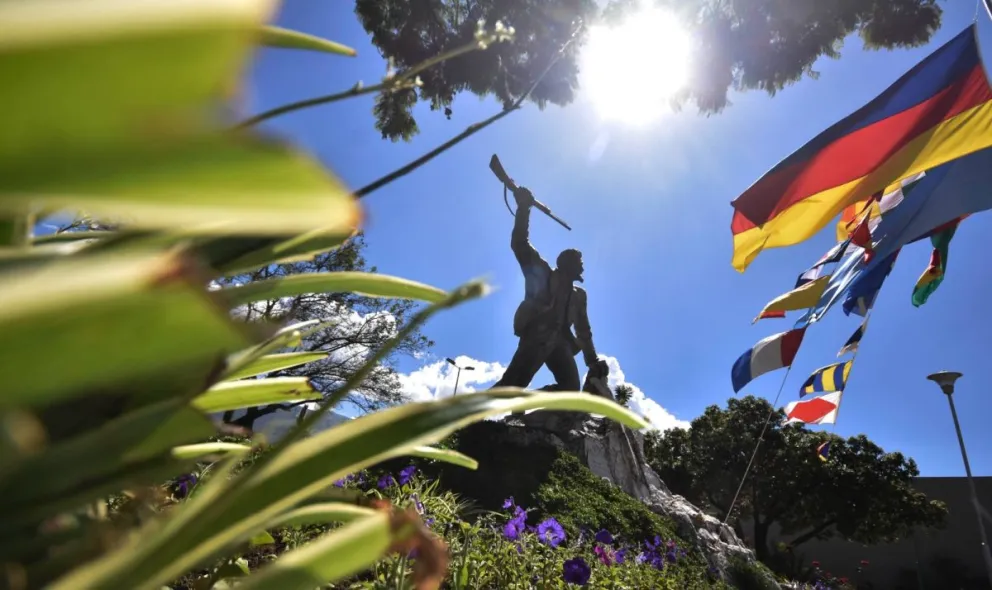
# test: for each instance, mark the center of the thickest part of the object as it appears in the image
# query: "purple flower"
(621, 555)
(183, 485)
(671, 557)
(604, 537)
(417, 503)
(550, 532)
(576, 571)
(339, 483)
(385, 481)
(508, 503)
(604, 554)
(406, 474)
(515, 525)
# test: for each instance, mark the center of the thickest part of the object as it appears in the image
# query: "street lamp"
(946, 379)
(458, 374)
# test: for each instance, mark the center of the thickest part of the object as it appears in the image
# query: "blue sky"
(650, 208)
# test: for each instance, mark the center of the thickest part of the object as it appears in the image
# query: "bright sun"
(630, 70)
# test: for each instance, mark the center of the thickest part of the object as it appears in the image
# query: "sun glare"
(630, 70)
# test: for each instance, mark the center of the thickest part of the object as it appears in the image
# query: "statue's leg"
(526, 362)
(561, 363)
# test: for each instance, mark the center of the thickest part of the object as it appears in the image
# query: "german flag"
(938, 111)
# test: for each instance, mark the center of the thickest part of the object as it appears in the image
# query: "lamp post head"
(468, 368)
(451, 362)
(945, 379)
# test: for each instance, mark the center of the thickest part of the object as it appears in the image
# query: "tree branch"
(813, 533)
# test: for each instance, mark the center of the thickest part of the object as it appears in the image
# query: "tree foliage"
(622, 393)
(742, 45)
(408, 32)
(862, 493)
(356, 327)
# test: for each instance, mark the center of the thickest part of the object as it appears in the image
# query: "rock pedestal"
(616, 453)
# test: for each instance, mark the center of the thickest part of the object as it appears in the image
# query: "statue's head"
(570, 264)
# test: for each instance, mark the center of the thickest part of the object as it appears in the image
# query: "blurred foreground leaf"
(236, 395)
(275, 362)
(279, 37)
(79, 76)
(106, 320)
(218, 185)
(363, 283)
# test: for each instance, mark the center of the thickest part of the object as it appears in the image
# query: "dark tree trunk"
(228, 416)
(760, 539)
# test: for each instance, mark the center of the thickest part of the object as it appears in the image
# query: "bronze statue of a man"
(552, 305)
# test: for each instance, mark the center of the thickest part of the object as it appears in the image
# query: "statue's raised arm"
(525, 252)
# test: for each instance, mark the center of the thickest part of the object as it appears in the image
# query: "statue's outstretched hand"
(523, 196)
(599, 369)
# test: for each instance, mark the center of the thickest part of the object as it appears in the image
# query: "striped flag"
(829, 378)
(852, 343)
(775, 352)
(816, 271)
(818, 410)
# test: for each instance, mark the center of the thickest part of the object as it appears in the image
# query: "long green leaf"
(221, 515)
(218, 184)
(235, 395)
(201, 450)
(74, 236)
(78, 74)
(109, 321)
(128, 440)
(445, 455)
(338, 554)
(299, 248)
(286, 336)
(323, 513)
(371, 284)
(272, 36)
(275, 362)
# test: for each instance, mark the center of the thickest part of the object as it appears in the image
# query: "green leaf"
(237, 568)
(220, 184)
(236, 395)
(276, 362)
(223, 512)
(132, 439)
(364, 283)
(82, 69)
(291, 335)
(279, 37)
(117, 319)
(323, 513)
(74, 236)
(262, 538)
(338, 554)
(274, 251)
(445, 455)
(201, 450)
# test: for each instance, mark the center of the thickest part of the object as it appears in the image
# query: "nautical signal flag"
(938, 111)
(892, 196)
(829, 378)
(823, 451)
(934, 273)
(816, 271)
(802, 297)
(775, 352)
(852, 343)
(818, 410)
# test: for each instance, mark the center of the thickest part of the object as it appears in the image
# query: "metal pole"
(974, 494)
(457, 377)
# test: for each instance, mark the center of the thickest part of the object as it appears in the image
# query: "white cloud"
(658, 416)
(437, 380)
